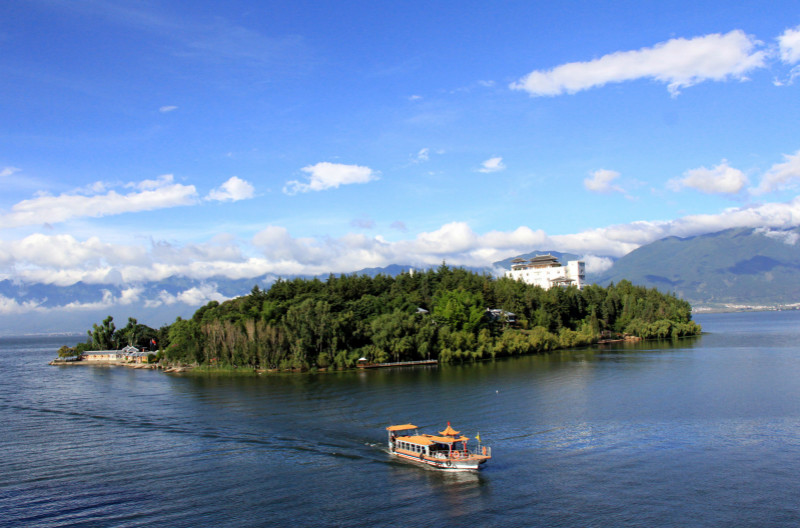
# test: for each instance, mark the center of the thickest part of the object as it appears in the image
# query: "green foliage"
(103, 336)
(66, 352)
(439, 314)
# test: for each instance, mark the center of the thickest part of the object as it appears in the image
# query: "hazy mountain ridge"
(744, 266)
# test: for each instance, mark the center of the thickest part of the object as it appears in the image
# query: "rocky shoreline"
(127, 364)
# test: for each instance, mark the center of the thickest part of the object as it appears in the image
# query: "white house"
(546, 271)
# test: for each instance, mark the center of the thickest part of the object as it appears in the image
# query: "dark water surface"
(699, 432)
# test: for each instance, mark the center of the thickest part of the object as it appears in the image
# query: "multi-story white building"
(546, 271)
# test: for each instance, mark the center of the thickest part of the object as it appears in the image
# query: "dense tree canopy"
(438, 314)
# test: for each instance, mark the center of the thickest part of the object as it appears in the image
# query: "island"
(444, 314)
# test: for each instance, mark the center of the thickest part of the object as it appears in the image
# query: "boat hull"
(444, 464)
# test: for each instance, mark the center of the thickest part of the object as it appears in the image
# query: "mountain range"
(731, 269)
(735, 268)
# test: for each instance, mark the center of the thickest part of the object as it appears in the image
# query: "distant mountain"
(752, 267)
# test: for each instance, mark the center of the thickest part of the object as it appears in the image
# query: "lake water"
(699, 432)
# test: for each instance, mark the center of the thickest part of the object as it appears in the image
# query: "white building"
(546, 271)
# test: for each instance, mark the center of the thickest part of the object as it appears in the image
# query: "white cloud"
(166, 109)
(10, 306)
(721, 179)
(423, 155)
(789, 45)
(151, 195)
(326, 175)
(789, 238)
(679, 63)
(600, 182)
(233, 190)
(492, 165)
(144, 185)
(8, 171)
(57, 252)
(621, 239)
(780, 175)
(595, 264)
(195, 296)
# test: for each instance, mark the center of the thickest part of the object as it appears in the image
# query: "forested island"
(449, 314)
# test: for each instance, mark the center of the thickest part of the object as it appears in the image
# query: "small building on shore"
(103, 355)
(546, 271)
(129, 354)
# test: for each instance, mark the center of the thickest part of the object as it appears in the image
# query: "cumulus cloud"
(789, 45)
(680, 63)
(780, 175)
(148, 196)
(56, 252)
(233, 190)
(720, 179)
(789, 238)
(492, 165)
(326, 175)
(195, 296)
(8, 171)
(595, 264)
(9, 306)
(601, 181)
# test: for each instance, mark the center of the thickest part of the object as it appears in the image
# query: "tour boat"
(446, 451)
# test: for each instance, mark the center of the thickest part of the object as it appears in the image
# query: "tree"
(460, 309)
(103, 336)
(66, 352)
(186, 342)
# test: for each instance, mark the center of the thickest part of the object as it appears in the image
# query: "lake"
(697, 432)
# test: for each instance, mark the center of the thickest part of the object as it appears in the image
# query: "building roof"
(543, 257)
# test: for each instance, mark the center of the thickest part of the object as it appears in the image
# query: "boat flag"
(478, 437)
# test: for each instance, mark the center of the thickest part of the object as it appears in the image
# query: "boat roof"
(418, 439)
(448, 439)
(404, 427)
(426, 439)
(449, 431)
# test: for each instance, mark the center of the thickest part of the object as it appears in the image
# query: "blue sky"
(141, 140)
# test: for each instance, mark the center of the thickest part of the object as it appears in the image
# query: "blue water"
(699, 432)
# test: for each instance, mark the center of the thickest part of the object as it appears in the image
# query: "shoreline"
(203, 369)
